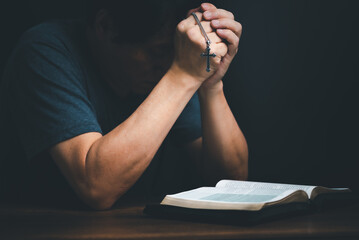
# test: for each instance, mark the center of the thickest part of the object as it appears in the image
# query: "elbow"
(243, 159)
(95, 191)
(98, 200)
(97, 197)
(242, 172)
(101, 204)
(239, 158)
(243, 175)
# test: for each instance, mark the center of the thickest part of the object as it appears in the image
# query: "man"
(101, 103)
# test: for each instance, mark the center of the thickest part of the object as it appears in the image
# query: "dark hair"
(140, 19)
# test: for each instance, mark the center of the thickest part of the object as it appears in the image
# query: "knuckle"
(211, 5)
(213, 37)
(216, 13)
(207, 26)
(224, 32)
(194, 36)
(202, 44)
(180, 26)
(240, 28)
(225, 49)
(220, 50)
(217, 60)
(236, 40)
(227, 14)
(210, 14)
(191, 33)
(199, 15)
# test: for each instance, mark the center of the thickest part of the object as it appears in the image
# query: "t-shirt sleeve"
(188, 125)
(49, 103)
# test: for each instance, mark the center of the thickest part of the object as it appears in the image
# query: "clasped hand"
(224, 33)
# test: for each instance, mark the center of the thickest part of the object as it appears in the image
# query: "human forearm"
(224, 150)
(115, 161)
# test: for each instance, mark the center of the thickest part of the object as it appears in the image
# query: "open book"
(246, 195)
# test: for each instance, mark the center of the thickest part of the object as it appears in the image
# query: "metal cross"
(208, 49)
(207, 54)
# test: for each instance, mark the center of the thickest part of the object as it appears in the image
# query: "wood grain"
(27, 222)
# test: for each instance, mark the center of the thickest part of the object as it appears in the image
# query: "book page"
(233, 184)
(226, 198)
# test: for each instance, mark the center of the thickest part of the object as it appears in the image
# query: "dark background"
(292, 87)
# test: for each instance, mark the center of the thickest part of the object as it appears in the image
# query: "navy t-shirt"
(51, 91)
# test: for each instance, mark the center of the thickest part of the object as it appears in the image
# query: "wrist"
(206, 91)
(182, 79)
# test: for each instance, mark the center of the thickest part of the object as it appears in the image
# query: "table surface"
(129, 222)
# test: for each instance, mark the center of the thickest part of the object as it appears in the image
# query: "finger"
(220, 49)
(206, 26)
(196, 35)
(207, 6)
(189, 22)
(193, 10)
(214, 37)
(231, 38)
(217, 13)
(227, 23)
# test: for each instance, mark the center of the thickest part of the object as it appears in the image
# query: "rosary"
(208, 49)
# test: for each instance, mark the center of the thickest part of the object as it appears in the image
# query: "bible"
(245, 200)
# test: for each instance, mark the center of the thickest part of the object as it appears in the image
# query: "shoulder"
(57, 36)
(60, 32)
(45, 50)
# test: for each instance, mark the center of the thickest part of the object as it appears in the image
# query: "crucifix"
(207, 54)
(208, 42)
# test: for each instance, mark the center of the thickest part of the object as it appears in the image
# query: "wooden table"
(25, 222)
